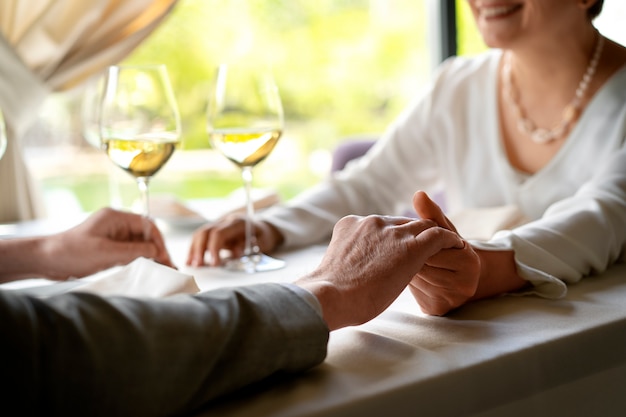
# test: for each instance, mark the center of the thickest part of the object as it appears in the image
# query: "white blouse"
(449, 139)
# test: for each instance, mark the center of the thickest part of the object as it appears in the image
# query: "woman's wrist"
(498, 273)
(272, 237)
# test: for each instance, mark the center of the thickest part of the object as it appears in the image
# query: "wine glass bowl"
(245, 148)
(90, 111)
(139, 121)
(244, 123)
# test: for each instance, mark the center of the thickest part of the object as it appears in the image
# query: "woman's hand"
(229, 234)
(450, 277)
(453, 277)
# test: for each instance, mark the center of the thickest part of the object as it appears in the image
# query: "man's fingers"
(127, 252)
(434, 239)
(157, 239)
(448, 259)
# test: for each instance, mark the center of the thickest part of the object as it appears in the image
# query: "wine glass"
(244, 123)
(90, 104)
(90, 111)
(139, 122)
(3, 136)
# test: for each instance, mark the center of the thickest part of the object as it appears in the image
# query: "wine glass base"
(254, 263)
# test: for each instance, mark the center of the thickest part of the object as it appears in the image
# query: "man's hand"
(369, 262)
(106, 239)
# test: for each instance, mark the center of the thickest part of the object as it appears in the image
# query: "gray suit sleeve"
(81, 354)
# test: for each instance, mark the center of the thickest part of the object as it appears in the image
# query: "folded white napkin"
(141, 278)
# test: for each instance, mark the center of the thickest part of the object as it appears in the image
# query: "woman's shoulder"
(483, 64)
(467, 72)
(612, 94)
(461, 77)
(617, 80)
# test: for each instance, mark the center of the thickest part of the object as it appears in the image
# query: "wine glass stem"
(142, 183)
(251, 246)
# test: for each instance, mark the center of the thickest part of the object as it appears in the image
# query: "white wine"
(245, 147)
(140, 157)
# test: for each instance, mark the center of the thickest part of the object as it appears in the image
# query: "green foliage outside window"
(344, 68)
(341, 69)
(469, 40)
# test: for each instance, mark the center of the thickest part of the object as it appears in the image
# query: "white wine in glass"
(244, 123)
(139, 122)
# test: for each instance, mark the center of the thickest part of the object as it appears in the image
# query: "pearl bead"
(542, 136)
(570, 113)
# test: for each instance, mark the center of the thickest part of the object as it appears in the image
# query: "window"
(611, 20)
(344, 67)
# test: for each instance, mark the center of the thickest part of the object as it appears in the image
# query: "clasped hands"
(369, 261)
(378, 257)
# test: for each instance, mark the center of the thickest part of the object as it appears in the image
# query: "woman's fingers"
(199, 242)
(227, 234)
(428, 209)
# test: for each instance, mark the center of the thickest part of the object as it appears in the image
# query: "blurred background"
(345, 69)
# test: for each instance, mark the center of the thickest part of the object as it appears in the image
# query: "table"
(508, 356)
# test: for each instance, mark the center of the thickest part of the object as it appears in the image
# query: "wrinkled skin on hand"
(105, 239)
(370, 261)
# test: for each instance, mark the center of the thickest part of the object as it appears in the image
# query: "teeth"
(496, 11)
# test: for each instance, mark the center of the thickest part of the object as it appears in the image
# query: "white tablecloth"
(509, 356)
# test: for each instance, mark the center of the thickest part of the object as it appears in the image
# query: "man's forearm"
(20, 258)
(81, 354)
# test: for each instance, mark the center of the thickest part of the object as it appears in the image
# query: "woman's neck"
(557, 67)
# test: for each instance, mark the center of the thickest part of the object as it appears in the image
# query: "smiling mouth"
(499, 11)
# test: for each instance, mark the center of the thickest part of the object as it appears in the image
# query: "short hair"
(595, 10)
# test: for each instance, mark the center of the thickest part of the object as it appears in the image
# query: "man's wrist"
(307, 296)
(21, 258)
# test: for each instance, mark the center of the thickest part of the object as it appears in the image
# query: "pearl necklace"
(571, 111)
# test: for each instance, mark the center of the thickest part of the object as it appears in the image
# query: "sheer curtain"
(52, 45)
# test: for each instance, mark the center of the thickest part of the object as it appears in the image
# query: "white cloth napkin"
(141, 278)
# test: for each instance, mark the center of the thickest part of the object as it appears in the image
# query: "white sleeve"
(577, 236)
(381, 182)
